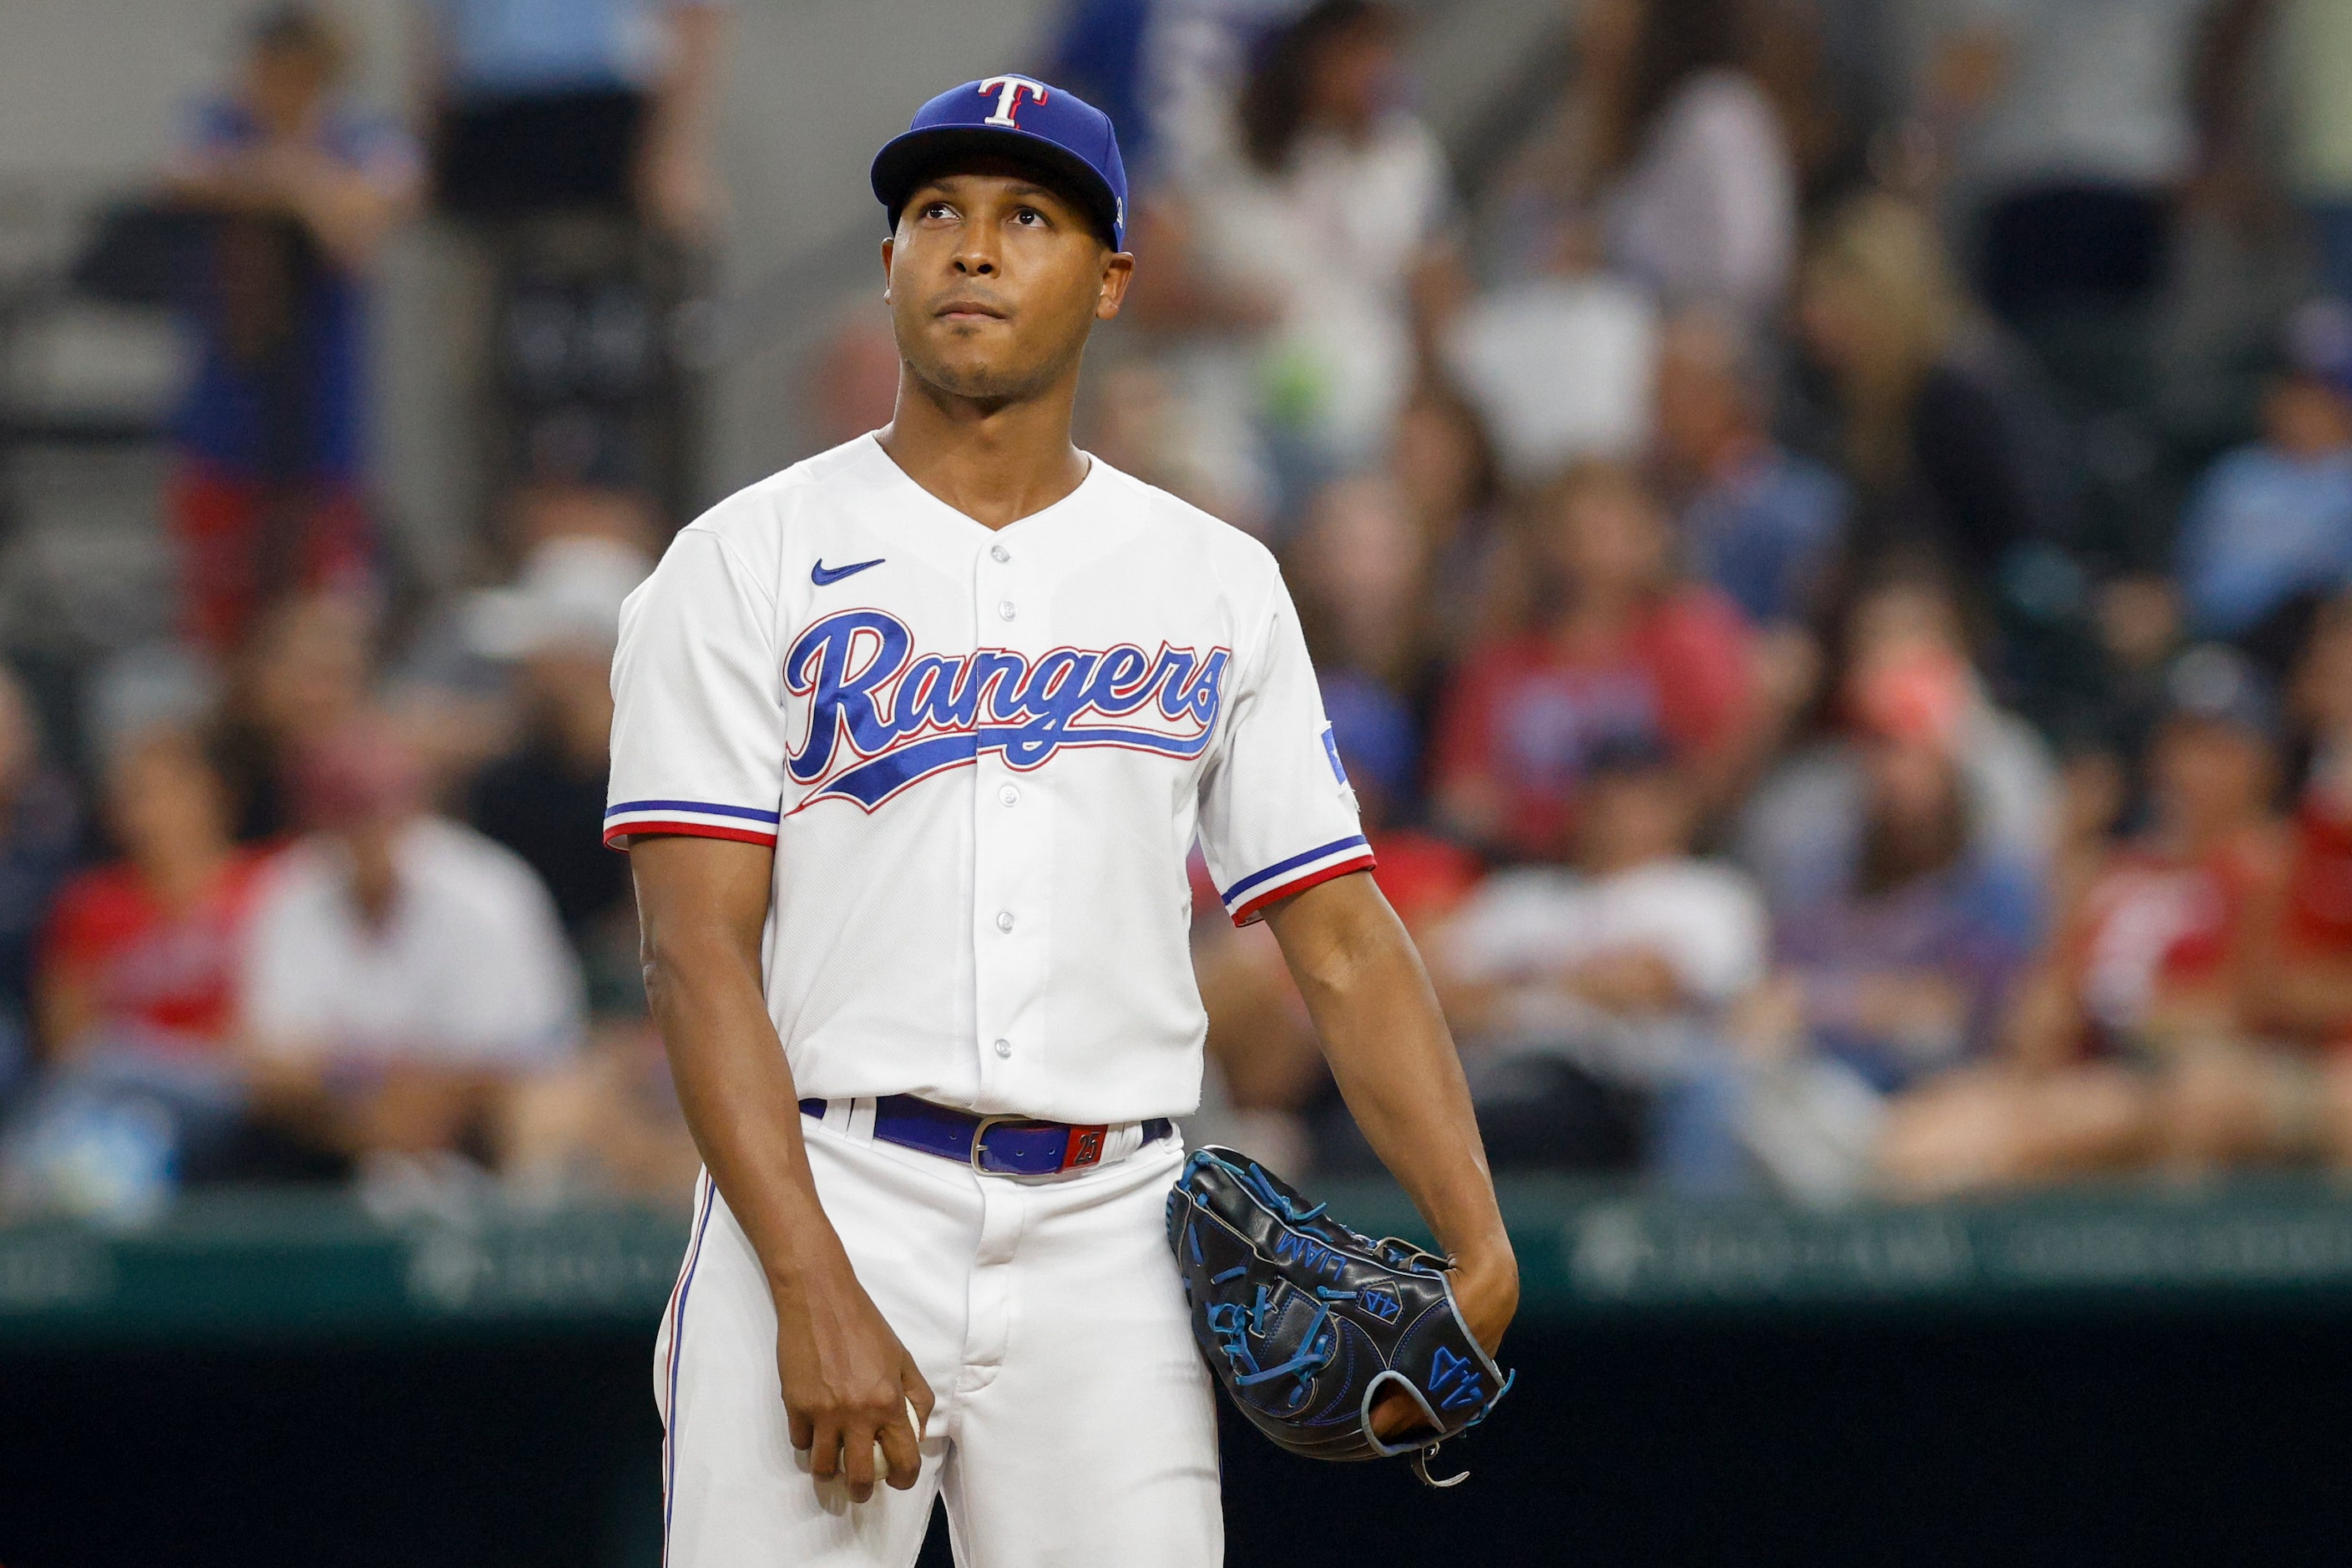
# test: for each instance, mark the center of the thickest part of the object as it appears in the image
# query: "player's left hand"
(1487, 1292)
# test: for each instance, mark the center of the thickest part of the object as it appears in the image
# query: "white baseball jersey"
(981, 756)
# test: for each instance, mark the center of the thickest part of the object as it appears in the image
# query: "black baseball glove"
(1307, 1324)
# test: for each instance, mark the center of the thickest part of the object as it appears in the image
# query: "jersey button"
(1008, 794)
(1004, 1048)
(998, 553)
(1005, 611)
(1005, 920)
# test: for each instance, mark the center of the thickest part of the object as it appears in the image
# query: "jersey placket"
(1013, 843)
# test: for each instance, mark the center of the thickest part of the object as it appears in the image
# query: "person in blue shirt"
(2272, 521)
(297, 192)
(1758, 521)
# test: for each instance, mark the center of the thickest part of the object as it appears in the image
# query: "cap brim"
(905, 161)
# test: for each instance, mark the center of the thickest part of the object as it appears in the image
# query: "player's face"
(994, 282)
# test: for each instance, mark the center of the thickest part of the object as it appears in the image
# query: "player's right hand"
(848, 1383)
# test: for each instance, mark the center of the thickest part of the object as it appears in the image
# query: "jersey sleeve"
(697, 702)
(1276, 813)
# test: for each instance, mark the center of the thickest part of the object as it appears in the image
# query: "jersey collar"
(897, 482)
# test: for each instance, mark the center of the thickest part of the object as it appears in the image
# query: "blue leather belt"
(993, 1145)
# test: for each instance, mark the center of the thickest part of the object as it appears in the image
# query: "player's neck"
(995, 463)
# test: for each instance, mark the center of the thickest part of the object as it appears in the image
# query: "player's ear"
(889, 247)
(1118, 272)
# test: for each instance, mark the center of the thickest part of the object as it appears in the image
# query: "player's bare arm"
(1395, 1063)
(847, 1380)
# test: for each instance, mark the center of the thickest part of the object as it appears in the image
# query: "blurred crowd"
(1826, 531)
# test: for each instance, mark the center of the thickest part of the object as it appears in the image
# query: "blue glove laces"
(1235, 1324)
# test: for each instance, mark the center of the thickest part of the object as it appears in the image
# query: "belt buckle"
(1085, 1146)
(980, 1136)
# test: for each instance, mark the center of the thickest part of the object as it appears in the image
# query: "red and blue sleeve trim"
(693, 818)
(1246, 899)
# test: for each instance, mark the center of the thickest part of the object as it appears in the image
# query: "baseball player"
(911, 741)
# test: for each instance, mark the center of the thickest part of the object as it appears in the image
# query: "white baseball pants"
(1074, 1422)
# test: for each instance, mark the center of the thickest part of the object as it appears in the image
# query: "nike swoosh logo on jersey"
(822, 574)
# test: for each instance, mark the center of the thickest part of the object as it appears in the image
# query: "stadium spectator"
(2274, 520)
(1899, 968)
(39, 830)
(572, 170)
(577, 104)
(1904, 646)
(2138, 999)
(1333, 208)
(142, 953)
(405, 971)
(545, 797)
(2303, 988)
(1588, 993)
(266, 497)
(1696, 191)
(1934, 426)
(2278, 1089)
(306, 673)
(140, 1089)
(2071, 124)
(1665, 162)
(1442, 462)
(1758, 521)
(2140, 634)
(2157, 944)
(453, 686)
(1359, 568)
(1614, 646)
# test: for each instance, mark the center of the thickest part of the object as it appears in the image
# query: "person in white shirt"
(1592, 989)
(1331, 207)
(402, 970)
(1666, 162)
(1699, 199)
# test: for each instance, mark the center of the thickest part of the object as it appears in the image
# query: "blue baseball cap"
(1018, 117)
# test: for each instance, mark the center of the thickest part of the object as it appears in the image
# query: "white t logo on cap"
(1008, 90)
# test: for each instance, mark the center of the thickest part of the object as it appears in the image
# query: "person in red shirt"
(1614, 648)
(140, 954)
(2299, 987)
(2305, 987)
(142, 1087)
